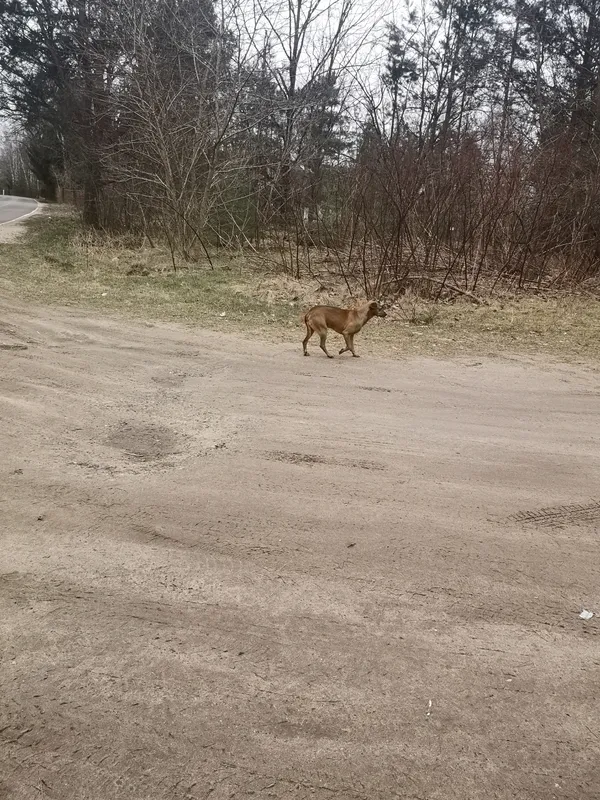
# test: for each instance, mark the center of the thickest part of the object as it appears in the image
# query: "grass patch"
(55, 262)
(567, 327)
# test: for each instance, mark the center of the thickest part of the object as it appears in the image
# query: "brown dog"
(346, 321)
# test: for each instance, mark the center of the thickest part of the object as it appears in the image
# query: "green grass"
(56, 263)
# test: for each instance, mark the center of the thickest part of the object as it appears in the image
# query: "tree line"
(453, 150)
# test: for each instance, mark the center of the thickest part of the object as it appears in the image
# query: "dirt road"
(230, 571)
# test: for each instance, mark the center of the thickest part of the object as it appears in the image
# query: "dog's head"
(375, 309)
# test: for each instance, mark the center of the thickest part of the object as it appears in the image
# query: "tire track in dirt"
(560, 516)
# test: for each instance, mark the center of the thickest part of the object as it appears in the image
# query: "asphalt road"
(11, 208)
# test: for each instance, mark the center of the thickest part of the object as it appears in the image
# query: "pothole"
(144, 442)
(170, 380)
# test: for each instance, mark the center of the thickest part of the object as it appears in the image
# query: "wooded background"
(458, 146)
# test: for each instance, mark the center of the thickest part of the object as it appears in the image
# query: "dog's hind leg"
(309, 333)
(323, 338)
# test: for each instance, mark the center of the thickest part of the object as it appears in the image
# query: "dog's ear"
(373, 305)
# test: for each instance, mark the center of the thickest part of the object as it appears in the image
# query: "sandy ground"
(230, 571)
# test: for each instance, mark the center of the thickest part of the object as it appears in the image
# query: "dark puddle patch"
(144, 442)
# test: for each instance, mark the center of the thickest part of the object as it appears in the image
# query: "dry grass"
(56, 263)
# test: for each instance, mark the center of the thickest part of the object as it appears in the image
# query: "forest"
(443, 146)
